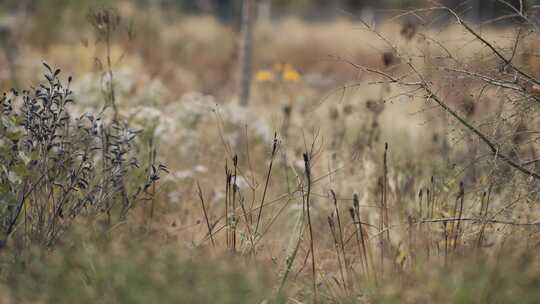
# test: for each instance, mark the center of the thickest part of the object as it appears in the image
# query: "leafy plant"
(56, 168)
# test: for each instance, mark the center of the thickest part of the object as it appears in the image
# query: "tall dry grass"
(366, 194)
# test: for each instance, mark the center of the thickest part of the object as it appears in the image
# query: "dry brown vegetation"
(387, 164)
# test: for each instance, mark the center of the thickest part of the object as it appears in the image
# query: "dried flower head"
(408, 30)
(104, 20)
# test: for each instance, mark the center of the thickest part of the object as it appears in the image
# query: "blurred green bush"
(100, 272)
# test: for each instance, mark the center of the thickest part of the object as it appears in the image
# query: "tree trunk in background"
(205, 6)
(264, 11)
(245, 52)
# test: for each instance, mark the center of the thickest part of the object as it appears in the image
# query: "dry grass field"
(374, 164)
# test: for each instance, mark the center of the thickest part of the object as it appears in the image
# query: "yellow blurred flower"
(264, 75)
(285, 72)
(290, 74)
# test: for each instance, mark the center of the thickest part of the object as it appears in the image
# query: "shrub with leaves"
(55, 168)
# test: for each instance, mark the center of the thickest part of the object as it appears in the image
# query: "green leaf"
(22, 171)
(8, 199)
(34, 155)
(14, 178)
(4, 189)
(14, 135)
(7, 122)
(24, 157)
(17, 120)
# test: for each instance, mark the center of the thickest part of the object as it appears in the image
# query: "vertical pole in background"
(245, 51)
(264, 11)
(155, 5)
(9, 47)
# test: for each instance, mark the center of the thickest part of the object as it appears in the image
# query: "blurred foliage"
(513, 280)
(103, 272)
(48, 17)
(58, 167)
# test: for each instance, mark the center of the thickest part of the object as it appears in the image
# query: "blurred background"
(229, 10)
(164, 52)
(176, 70)
(41, 24)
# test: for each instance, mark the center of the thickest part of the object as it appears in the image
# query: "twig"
(490, 46)
(311, 241)
(274, 149)
(332, 226)
(461, 197)
(340, 231)
(206, 215)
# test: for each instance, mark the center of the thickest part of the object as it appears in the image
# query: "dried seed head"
(275, 144)
(408, 30)
(520, 133)
(468, 107)
(5, 32)
(333, 197)
(334, 113)
(435, 137)
(306, 165)
(389, 58)
(287, 110)
(104, 20)
(348, 109)
(331, 220)
(376, 107)
(351, 213)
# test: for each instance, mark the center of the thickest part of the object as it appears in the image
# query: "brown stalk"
(432, 197)
(307, 166)
(244, 212)
(206, 215)
(360, 237)
(233, 209)
(420, 195)
(227, 187)
(445, 231)
(381, 226)
(274, 150)
(461, 196)
(428, 199)
(410, 221)
(430, 194)
(152, 162)
(484, 213)
(336, 247)
(453, 230)
(21, 197)
(385, 191)
(248, 225)
(340, 231)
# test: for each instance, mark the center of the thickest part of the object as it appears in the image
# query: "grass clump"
(103, 272)
(472, 281)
